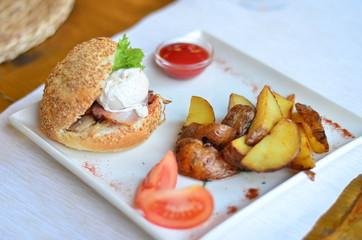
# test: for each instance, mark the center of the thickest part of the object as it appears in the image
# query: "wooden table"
(89, 18)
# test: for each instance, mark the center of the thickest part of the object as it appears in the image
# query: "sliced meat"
(83, 123)
(128, 118)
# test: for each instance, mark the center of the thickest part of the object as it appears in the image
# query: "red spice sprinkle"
(219, 61)
(255, 88)
(115, 185)
(227, 69)
(232, 209)
(310, 174)
(91, 168)
(252, 193)
(344, 132)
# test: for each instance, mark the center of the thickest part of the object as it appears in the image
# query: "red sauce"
(183, 55)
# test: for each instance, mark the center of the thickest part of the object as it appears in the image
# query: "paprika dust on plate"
(184, 60)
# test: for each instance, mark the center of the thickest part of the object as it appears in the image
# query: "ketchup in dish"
(184, 53)
(183, 60)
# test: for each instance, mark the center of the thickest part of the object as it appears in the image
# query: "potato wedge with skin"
(219, 135)
(235, 99)
(291, 97)
(313, 127)
(239, 117)
(235, 151)
(305, 148)
(342, 221)
(276, 150)
(200, 111)
(200, 161)
(268, 113)
(296, 118)
(303, 164)
(304, 160)
(285, 104)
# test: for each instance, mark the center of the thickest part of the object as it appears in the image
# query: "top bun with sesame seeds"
(70, 94)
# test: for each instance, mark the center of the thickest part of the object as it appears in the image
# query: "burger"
(98, 98)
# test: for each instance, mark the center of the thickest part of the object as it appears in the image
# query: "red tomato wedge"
(161, 177)
(179, 208)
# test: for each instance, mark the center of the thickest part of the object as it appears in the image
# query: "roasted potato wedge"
(235, 99)
(268, 113)
(275, 150)
(219, 135)
(235, 151)
(200, 111)
(304, 160)
(201, 161)
(296, 118)
(285, 104)
(239, 118)
(342, 221)
(313, 127)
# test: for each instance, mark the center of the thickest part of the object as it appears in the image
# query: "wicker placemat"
(26, 23)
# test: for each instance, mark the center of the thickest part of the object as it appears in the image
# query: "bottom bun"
(105, 136)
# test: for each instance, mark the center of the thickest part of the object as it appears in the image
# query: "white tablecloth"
(317, 43)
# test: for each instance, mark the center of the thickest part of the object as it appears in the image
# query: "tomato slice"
(161, 177)
(179, 208)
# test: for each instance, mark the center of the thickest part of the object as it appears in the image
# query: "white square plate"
(117, 175)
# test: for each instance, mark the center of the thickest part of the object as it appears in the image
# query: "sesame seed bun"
(70, 90)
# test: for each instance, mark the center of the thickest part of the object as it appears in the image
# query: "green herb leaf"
(127, 57)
